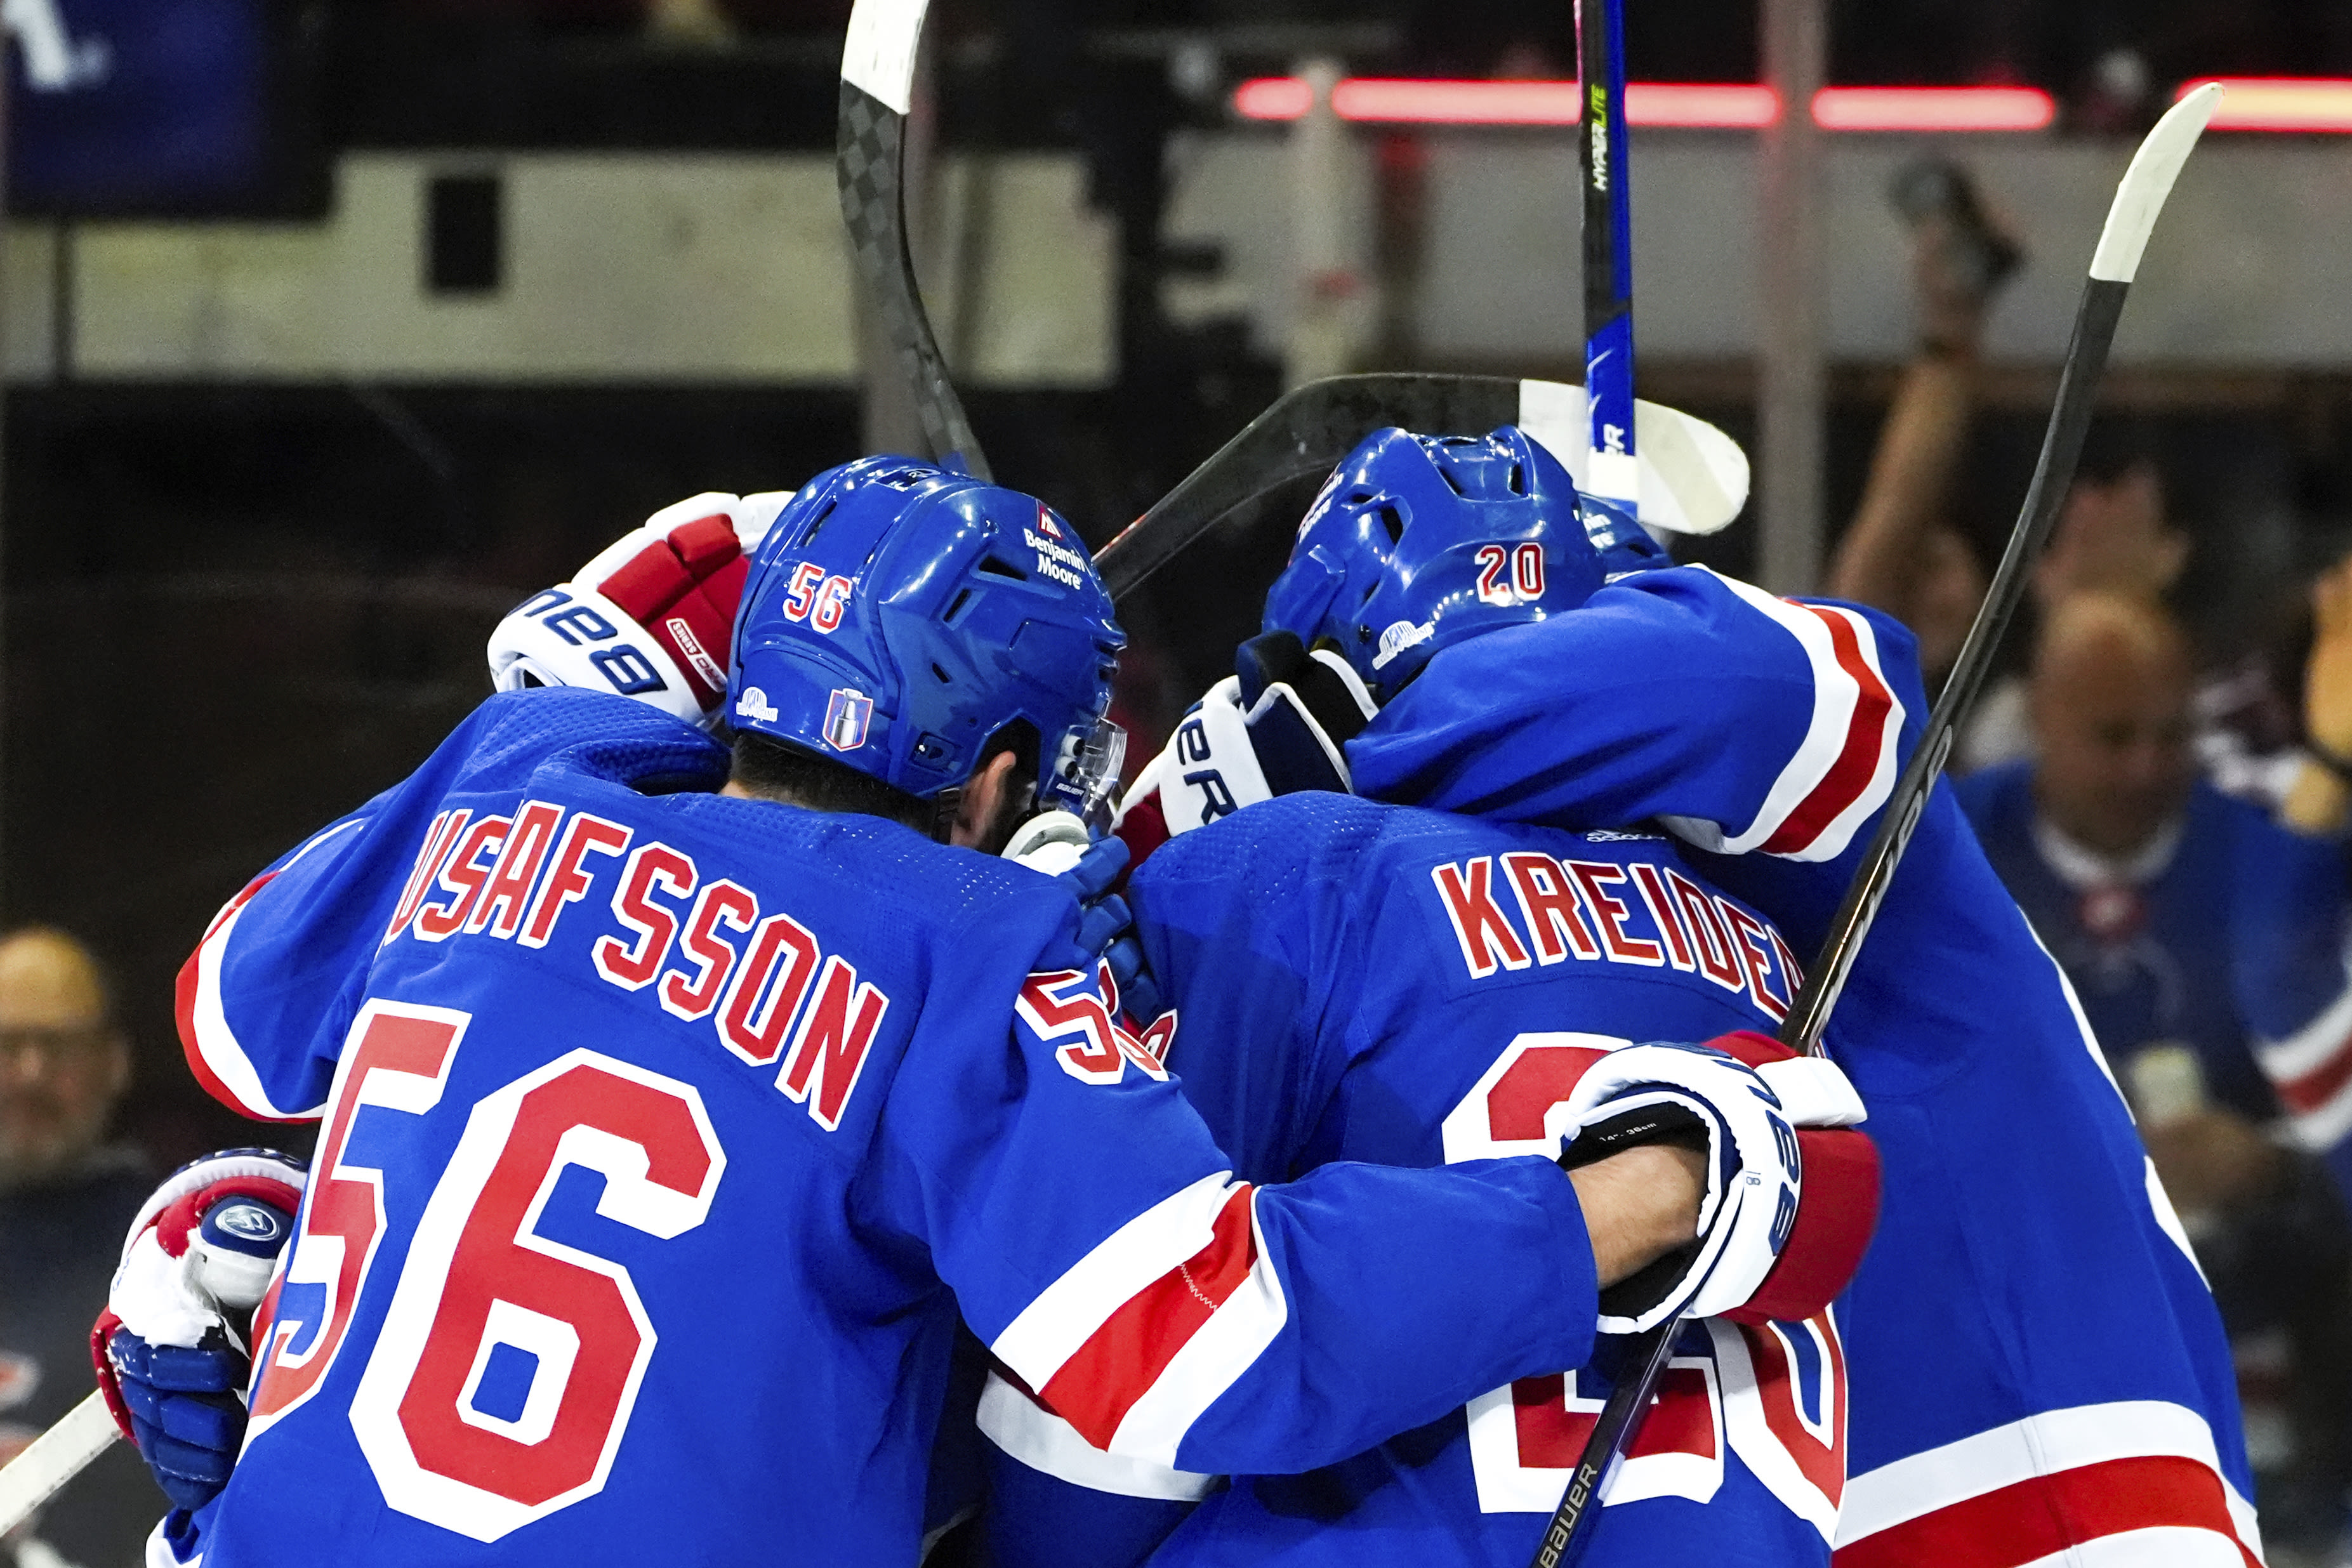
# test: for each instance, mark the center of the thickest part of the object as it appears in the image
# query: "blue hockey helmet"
(1417, 542)
(897, 614)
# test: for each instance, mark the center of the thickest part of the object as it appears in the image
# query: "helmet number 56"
(816, 597)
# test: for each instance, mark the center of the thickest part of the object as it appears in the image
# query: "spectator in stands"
(66, 1196)
(1903, 553)
(2206, 941)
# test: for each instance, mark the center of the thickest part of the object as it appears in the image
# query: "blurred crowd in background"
(233, 610)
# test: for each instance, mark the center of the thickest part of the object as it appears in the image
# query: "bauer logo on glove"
(651, 617)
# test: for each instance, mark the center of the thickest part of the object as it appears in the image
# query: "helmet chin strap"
(1380, 694)
(949, 801)
(944, 807)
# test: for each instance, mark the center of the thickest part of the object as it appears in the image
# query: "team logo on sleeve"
(847, 716)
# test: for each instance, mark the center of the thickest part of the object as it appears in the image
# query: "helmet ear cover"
(909, 623)
(1417, 542)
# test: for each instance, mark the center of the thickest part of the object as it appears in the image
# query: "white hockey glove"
(651, 617)
(1792, 1192)
(1278, 724)
(170, 1349)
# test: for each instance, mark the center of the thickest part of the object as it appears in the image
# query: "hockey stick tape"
(878, 56)
(2149, 182)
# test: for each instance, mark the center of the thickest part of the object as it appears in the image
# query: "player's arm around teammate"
(1514, 670)
(1768, 733)
(1023, 1151)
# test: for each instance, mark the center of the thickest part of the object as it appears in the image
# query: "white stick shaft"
(55, 1457)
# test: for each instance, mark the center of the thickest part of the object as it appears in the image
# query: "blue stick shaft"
(1608, 254)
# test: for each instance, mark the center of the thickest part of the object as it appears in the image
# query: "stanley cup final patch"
(847, 714)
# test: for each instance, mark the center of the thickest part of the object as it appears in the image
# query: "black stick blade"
(1303, 434)
(868, 165)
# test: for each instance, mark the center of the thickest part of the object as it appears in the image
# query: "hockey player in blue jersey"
(2036, 1363)
(2190, 920)
(1305, 944)
(675, 1105)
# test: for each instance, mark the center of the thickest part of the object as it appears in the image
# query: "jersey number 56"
(481, 1294)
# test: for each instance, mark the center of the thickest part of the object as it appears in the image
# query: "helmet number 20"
(1510, 574)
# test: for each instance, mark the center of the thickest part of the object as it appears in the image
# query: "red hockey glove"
(1840, 1208)
(651, 617)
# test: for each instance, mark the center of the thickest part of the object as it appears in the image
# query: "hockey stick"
(1615, 477)
(878, 77)
(88, 1430)
(2138, 199)
(1694, 477)
(55, 1457)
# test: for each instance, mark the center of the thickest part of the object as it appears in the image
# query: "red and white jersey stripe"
(215, 1054)
(1018, 1423)
(2312, 1072)
(1151, 1326)
(1846, 767)
(2136, 1482)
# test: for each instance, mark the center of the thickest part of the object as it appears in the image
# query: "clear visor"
(1087, 772)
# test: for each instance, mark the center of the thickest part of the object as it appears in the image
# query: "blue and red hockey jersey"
(2233, 943)
(1353, 981)
(667, 1134)
(2036, 1362)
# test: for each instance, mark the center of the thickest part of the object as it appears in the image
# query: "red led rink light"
(1711, 105)
(2279, 103)
(1933, 108)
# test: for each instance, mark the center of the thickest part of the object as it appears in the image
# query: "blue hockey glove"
(171, 1347)
(1059, 844)
(1093, 875)
(1302, 709)
(1106, 928)
(187, 1410)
